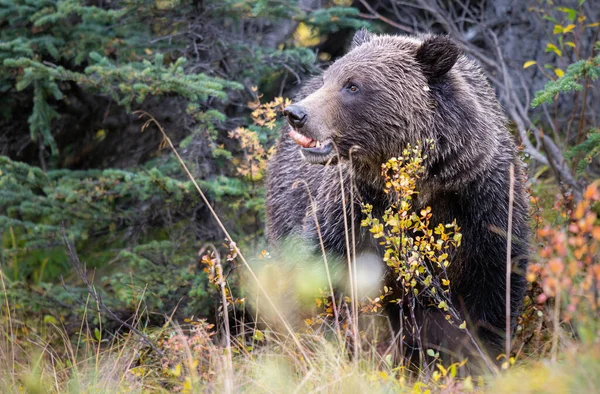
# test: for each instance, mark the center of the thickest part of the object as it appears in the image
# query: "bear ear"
(360, 37)
(437, 55)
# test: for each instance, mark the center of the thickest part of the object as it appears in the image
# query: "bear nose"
(296, 116)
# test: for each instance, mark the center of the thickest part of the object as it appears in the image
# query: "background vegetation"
(115, 274)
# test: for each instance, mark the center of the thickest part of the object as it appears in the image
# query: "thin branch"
(353, 285)
(313, 205)
(386, 20)
(511, 197)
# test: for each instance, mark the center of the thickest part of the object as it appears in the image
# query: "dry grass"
(299, 348)
(45, 360)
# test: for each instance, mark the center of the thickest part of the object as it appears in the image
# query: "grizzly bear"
(385, 93)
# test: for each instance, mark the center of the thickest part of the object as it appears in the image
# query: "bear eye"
(351, 87)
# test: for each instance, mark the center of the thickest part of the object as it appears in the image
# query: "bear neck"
(449, 167)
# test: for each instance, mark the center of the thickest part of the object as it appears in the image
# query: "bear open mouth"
(313, 150)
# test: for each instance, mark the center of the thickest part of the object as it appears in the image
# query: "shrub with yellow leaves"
(416, 251)
(256, 154)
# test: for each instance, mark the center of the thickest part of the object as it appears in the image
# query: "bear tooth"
(318, 144)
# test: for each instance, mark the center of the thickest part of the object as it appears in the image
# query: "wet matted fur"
(387, 92)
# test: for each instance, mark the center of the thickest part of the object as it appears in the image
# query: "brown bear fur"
(387, 92)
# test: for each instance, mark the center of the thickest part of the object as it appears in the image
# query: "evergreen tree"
(72, 72)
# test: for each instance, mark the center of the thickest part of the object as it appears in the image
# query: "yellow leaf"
(553, 48)
(305, 36)
(559, 72)
(187, 386)
(443, 370)
(529, 63)
(570, 44)
(595, 24)
(148, 51)
(176, 371)
(568, 28)
(468, 384)
(100, 134)
(571, 13)
(463, 325)
(324, 56)
(259, 336)
(50, 319)
(557, 29)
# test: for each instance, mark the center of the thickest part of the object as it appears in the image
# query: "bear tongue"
(302, 140)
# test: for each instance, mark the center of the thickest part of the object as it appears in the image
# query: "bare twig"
(313, 205)
(384, 19)
(222, 283)
(229, 363)
(511, 197)
(356, 337)
(556, 326)
(353, 233)
(10, 329)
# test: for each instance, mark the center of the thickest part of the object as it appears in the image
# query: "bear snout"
(296, 116)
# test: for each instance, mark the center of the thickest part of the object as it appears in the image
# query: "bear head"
(373, 100)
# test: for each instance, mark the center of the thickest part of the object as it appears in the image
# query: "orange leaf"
(596, 233)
